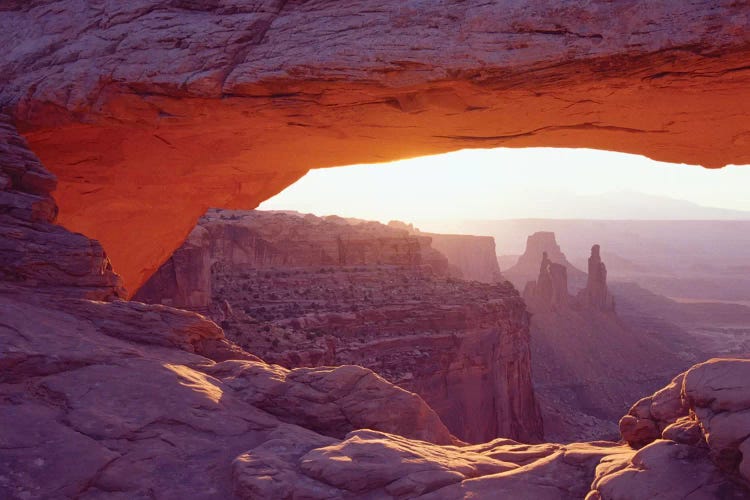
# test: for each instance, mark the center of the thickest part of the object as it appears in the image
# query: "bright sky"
(506, 183)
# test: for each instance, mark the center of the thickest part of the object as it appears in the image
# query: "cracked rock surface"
(225, 103)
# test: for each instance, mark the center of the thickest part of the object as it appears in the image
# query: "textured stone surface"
(97, 396)
(126, 385)
(33, 250)
(129, 390)
(695, 431)
(309, 291)
(370, 464)
(587, 365)
(225, 103)
(260, 240)
(664, 469)
(334, 400)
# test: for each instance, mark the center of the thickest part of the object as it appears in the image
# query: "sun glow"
(520, 183)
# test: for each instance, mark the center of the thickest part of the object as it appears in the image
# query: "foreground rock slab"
(370, 464)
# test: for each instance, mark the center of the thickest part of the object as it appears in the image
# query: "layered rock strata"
(259, 240)
(33, 250)
(462, 346)
(550, 291)
(129, 388)
(473, 256)
(301, 290)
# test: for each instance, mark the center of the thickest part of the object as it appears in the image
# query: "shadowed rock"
(550, 291)
(596, 294)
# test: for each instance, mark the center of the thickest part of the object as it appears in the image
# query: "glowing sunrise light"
(519, 183)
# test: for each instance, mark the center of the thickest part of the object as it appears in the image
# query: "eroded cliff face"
(311, 291)
(259, 240)
(473, 257)
(226, 103)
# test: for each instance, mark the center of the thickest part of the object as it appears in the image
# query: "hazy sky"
(506, 183)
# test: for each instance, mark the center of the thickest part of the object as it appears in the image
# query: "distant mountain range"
(618, 205)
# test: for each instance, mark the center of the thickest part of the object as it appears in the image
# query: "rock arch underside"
(170, 107)
(125, 121)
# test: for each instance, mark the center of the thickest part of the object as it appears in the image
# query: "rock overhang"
(171, 107)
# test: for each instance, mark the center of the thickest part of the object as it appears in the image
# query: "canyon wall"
(279, 239)
(226, 103)
(474, 256)
(462, 346)
(301, 290)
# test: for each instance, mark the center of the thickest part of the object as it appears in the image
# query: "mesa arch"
(150, 112)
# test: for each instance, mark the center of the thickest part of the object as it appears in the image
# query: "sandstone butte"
(171, 107)
(150, 112)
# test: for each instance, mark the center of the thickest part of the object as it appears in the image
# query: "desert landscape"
(161, 337)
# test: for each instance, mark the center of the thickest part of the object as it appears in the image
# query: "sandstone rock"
(527, 268)
(333, 400)
(462, 346)
(596, 294)
(128, 408)
(34, 251)
(369, 464)
(269, 470)
(311, 291)
(704, 415)
(136, 97)
(550, 291)
(651, 415)
(474, 256)
(259, 240)
(115, 380)
(638, 432)
(684, 430)
(368, 460)
(665, 469)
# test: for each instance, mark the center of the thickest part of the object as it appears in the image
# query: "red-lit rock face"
(171, 107)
